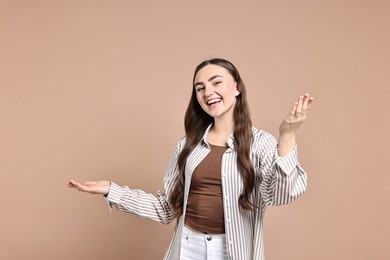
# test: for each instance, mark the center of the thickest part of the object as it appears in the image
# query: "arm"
(139, 203)
(283, 179)
(134, 201)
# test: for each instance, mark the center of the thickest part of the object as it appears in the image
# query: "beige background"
(98, 90)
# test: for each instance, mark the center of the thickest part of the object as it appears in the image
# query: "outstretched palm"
(94, 187)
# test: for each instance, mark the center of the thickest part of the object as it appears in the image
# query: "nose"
(208, 91)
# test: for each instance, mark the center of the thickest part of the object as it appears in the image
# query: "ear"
(237, 91)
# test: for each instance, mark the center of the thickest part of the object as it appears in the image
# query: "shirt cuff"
(114, 194)
(289, 162)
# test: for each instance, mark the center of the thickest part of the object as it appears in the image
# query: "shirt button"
(208, 238)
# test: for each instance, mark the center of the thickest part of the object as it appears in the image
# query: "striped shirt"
(278, 181)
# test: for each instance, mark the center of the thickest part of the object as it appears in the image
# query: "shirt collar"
(229, 141)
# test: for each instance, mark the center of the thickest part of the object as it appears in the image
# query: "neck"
(220, 131)
(223, 126)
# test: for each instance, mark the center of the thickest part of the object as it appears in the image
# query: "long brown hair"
(196, 121)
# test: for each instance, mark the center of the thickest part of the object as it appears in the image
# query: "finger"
(294, 109)
(311, 100)
(300, 103)
(72, 183)
(309, 103)
(79, 186)
(306, 99)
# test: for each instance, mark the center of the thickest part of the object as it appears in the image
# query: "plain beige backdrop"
(98, 90)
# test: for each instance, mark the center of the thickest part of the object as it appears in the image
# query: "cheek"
(199, 98)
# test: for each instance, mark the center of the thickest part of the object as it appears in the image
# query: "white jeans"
(197, 246)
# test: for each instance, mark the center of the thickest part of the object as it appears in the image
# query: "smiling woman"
(216, 92)
(222, 174)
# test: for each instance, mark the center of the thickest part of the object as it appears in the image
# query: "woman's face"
(216, 91)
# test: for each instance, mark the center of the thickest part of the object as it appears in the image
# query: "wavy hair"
(196, 121)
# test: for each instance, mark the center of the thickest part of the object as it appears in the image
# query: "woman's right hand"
(93, 187)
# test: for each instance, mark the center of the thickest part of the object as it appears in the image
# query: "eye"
(217, 83)
(200, 88)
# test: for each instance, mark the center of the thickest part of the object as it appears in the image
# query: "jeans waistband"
(192, 233)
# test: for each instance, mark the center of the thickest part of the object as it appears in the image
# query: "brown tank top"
(205, 203)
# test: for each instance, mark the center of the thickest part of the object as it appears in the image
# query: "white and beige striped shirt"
(279, 180)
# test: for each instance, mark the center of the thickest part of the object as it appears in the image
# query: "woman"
(222, 174)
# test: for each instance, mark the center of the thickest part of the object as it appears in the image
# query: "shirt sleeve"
(283, 179)
(140, 203)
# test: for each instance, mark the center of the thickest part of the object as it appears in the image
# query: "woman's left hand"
(290, 124)
(297, 115)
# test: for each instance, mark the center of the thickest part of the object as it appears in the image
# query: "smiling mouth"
(214, 101)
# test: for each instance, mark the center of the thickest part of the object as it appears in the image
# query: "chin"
(216, 115)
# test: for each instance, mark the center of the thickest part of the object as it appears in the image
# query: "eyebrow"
(210, 79)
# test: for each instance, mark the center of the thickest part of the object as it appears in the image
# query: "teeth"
(210, 102)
